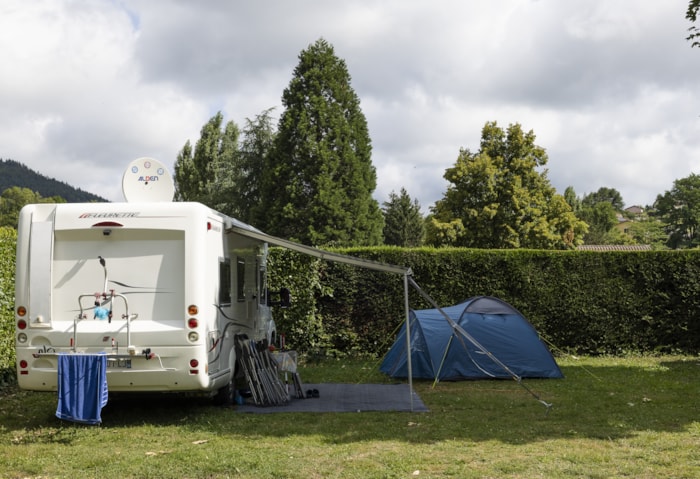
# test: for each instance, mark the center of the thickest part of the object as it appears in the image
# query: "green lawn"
(633, 417)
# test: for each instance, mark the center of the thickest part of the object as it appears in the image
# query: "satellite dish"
(147, 181)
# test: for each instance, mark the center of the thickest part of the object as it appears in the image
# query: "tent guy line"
(463, 333)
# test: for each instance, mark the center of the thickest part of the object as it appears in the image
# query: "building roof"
(614, 247)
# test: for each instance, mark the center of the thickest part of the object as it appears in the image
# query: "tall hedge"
(8, 240)
(585, 302)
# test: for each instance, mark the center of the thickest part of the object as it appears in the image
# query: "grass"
(632, 417)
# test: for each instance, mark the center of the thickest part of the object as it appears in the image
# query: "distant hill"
(13, 173)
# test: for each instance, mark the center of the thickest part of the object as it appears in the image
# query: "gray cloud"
(609, 88)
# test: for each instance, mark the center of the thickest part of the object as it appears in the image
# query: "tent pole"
(408, 339)
(457, 328)
(444, 356)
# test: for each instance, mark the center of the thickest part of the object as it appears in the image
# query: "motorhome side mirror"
(285, 298)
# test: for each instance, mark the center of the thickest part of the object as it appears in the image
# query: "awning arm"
(250, 232)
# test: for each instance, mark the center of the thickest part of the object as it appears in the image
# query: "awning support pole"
(408, 338)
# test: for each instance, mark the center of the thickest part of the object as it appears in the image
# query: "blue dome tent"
(503, 335)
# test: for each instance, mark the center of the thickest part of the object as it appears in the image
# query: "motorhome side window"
(262, 286)
(225, 282)
(240, 279)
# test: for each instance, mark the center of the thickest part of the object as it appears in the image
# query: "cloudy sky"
(610, 88)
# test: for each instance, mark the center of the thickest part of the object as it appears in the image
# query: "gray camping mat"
(347, 398)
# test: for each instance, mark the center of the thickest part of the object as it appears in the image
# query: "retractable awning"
(251, 232)
(244, 229)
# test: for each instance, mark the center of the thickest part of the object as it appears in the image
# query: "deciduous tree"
(692, 15)
(13, 199)
(498, 199)
(650, 231)
(600, 211)
(679, 210)
(604, 194)
(601, 218)
(210, 172)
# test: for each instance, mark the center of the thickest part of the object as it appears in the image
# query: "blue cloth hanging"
(82, 387)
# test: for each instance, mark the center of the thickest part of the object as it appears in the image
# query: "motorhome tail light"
(192, 309)
(192, 323)
(21, 312)
(193, 336)
(23, 364)
(21, 338)
(193, 366)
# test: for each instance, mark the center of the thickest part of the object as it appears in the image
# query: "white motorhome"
(162, 288)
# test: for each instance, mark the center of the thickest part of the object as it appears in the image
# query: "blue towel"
(82, 387)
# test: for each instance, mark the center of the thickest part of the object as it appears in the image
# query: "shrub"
(8, 240)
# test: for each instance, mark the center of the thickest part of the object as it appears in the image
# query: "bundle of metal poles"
(261, 374)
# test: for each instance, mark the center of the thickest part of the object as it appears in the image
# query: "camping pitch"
(439, 352)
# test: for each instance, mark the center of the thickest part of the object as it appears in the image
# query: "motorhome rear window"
(148, 267)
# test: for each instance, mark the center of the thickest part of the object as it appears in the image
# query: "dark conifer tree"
(403, 223)
(318, 183)
(256, 145)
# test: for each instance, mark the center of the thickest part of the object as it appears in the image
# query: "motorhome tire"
(226, 396)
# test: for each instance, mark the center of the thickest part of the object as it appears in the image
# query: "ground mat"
(347, 398)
